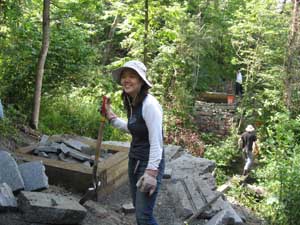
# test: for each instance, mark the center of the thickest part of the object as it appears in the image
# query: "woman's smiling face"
(131, 82)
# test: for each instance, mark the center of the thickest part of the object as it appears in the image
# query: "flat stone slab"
(7, 198)
(34, 176)
(9, 172)
(188, 165)
(46, 149)
(44, 140)
(78, 145)
(39, 207)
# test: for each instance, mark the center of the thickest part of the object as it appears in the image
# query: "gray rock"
(7, 198)
(167, 174)
(225, 217)
(34, 176)
(78, 145)
(44, 148)
(80, 156)
(128, 208)
(65, 149)
(56, 146)
(173, 152)
(40, 207)
(188, 165)
(42, 154)
(9, 172)
(219, 219)
(44, 140)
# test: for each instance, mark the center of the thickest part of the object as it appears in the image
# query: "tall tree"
(146, 30)
(41, 64)
(108, 47)
(293, 43)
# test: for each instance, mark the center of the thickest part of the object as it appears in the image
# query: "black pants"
(238, 89)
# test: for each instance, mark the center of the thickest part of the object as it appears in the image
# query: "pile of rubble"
(67, 150)
(188, 191)
(193, 188)
(19, 186)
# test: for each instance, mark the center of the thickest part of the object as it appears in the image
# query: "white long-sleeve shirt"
(153, 115)
(239, 77)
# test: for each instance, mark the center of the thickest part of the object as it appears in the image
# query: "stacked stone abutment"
(217, 118)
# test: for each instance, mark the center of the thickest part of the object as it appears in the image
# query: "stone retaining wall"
(217, 118)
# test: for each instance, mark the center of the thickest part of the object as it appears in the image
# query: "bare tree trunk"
(110, 37)
(291, 51)
(40, 65)
(146, 32)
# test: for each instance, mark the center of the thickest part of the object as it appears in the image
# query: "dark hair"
(128, 101)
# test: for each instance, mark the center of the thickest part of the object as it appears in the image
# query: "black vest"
(140, 146)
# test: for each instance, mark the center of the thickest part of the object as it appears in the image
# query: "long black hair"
(129, 101)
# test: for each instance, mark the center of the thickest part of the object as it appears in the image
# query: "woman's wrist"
(110, 116)
(151, 172)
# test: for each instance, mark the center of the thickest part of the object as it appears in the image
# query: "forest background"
(189, 46)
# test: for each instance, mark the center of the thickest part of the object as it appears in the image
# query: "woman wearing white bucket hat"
(146, 156)
(248, 143)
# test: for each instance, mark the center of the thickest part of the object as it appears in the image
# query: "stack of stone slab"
(67, 150)
(21, 180)
(192, 187)
(216, 118)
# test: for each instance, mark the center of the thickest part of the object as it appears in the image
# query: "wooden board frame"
(112, 172)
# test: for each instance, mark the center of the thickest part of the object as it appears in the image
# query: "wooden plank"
(113, 160)
(109, 188)
(217, 97)
(27, 149)
(54, 163)
(116, 171)
(78, 177)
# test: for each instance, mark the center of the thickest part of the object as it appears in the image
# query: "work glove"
(147, 183)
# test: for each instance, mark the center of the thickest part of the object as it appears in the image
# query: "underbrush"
(184, 135)
(8, 124)
(226, 154)
(75, 114)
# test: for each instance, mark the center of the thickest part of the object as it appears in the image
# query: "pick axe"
(92, 192)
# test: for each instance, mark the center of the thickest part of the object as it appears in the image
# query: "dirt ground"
(108, 209)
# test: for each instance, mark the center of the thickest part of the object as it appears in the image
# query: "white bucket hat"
(249, 128)
(138, 66)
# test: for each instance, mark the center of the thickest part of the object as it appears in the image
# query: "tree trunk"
(40, 65)
(110, 40)
(291, 52)
(146, 32)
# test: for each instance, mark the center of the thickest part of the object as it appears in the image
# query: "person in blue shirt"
(144, 123)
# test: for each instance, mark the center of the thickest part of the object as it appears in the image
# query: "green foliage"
(280, 172)
(73, 113)
(226, 154)
(8, 127)
(70, 56)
